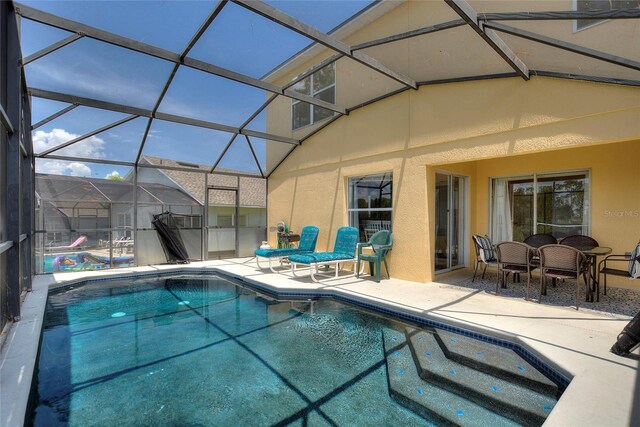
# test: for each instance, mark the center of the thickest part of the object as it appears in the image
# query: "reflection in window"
(585, 5)
(551, 204)
(320, 85)
(370, 203)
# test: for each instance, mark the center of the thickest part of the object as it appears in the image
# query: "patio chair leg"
(387, 268)
(578, 292)
(313, 267)
(358, 269)
(526, 292)
(475, 271)
(587, 281)
(271, 267)
(542, 280)
(378, 268)
(484, 271)
(294, 269)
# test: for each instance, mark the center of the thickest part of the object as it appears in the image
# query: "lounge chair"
(344, 251)
(380, 244)
(307, 244)
(75, 245)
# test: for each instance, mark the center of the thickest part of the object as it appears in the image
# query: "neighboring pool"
(203, 351)
(79, 261)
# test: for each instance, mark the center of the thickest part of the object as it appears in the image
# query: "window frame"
(351, 210)
(534, 176)
(591, 24)
(314, 94)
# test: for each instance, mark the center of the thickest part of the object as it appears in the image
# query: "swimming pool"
(195, 350)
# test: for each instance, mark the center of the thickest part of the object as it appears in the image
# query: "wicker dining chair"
(537, 240)
(541, 239)
(515, 258)
(579, 241)
(563, 262)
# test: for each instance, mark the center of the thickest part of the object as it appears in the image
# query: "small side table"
(286, 240)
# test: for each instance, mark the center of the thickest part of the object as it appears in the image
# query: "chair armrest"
(385, 247)
(359, 247)
(377, 248)
(626, 257)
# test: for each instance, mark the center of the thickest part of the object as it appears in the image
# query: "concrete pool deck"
(604, 391)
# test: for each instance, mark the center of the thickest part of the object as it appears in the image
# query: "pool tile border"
(559, 378)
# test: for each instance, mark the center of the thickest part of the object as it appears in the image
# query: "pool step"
(497, 361)
(504, 396)
(434, 403)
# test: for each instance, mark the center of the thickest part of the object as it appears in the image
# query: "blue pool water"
(202, 351)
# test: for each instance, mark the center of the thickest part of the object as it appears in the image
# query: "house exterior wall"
(156, 176)
(478, 129)
(453, 53)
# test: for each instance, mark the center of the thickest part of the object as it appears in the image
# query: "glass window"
(370, 203)
(582, 5)
(225, 221)
(301, 114)
(556, 204)
(321, 85)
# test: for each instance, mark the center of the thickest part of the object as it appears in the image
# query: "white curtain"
(501, 212)
(586, 206)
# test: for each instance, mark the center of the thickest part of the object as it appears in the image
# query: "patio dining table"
(592, 254)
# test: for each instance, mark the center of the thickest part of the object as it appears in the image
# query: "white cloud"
(60, 167)
(79, 169)
(92, 147)
(113, 174)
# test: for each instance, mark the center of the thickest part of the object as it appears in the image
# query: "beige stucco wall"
(478, 129)
(454, 53)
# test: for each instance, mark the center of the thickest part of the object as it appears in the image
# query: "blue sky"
(238, 40)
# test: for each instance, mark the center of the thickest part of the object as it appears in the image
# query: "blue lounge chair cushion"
(308, 238)
(271, 253)
(319, 257)
(308, 241)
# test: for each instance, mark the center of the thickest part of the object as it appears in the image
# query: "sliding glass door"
(450, 219)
